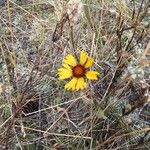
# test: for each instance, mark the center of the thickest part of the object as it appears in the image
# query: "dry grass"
(37, 113)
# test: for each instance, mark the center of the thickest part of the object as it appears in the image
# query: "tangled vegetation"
(110, 113)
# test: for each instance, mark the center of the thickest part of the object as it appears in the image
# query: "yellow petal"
(72, 84)
(64, 73)
(70, 60)
(83, 57)
(81, 84)
(66, 66)
(89, 62)
(92, 75)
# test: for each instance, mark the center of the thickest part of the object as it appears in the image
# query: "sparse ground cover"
(37, 112)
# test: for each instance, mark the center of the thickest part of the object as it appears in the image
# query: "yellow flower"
(78, 71)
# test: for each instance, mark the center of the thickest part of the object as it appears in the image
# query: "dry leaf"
(144, 62)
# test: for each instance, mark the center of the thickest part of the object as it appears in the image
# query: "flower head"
(78, 71)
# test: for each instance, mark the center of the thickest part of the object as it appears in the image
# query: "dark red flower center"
(78, 71)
